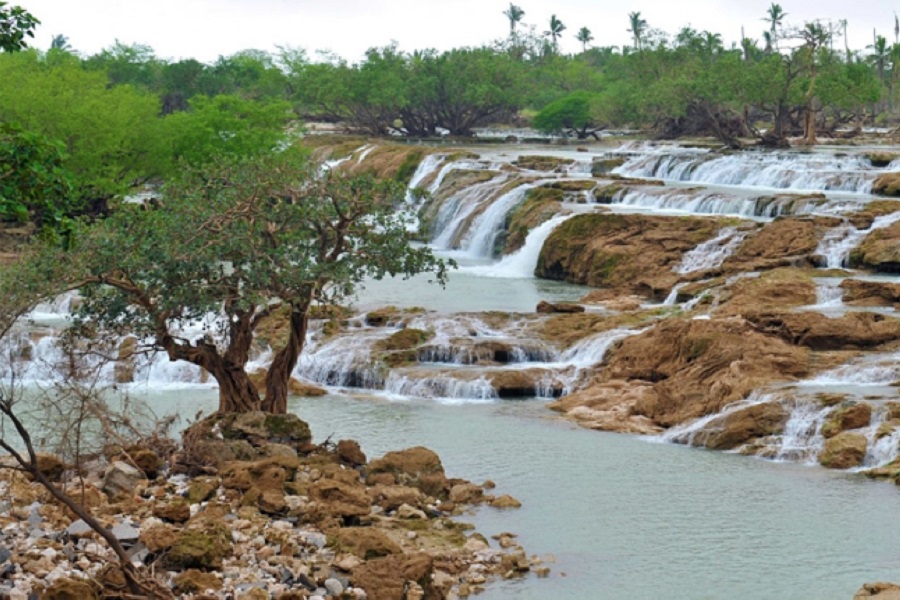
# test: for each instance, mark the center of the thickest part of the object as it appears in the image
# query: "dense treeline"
(104, 123)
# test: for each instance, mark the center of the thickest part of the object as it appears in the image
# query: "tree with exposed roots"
(229, 245)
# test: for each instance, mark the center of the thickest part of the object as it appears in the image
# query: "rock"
(844, 451)
(858, 292)
(541, 163)
(349, 452)
(604, 166)
(466, 493)
(365, 542)
(408, 512)
(416, 467)
(853, 331)
(77, 529)
(121, 478)
(176, 511)
(881, 590)
(124, 532)
(789, 241)
(158, 537)
(633, 254)
(334, 587)
(505, 501)
(391, 497)
(737, 427)
(347, 562)
(778, 289)
(69, 588)
(123, 371)
(386, 578)
(879, 250)
(523, 383)
(247, 437)
(202, 545)
(193, 581)
(202, 489)
(887, 185)
(341, 499)
(850, 416)
(147, 461)
(562, 307)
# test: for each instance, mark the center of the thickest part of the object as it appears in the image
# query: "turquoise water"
(625, 517)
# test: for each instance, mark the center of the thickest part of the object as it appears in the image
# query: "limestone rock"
(202, 489)
(416, 467)
(850, 416)
(202, 545)
(69, 588)
(385, 578)
(193, 581)
(365, 542)
(560, 307)
(737, 427)
(158, 537)
(844, 451)
(349, 452)
(880, 590)
(121, 478)
(505, 501)
(176, 511)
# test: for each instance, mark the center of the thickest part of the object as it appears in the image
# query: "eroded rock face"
(880, 250)
(634, 254)
(850, 416)
(858, 292)
(782, 288)
(386, 578)
(843, 451)
(738, 427)
(887, 185)
(785, 242)
(416, 467)
(819, 332)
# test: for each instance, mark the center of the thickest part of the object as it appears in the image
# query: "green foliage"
(570, 114)
(16, 24)
(225, 126)
(34, 185)
(110, 134)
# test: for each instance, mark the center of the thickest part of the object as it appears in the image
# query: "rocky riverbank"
(251, 509)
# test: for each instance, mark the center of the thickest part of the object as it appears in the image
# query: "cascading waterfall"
(837, 244)
(411, 200)
(521, 263)
(692, 433)
(789, 171)
(712, 253)
(480, 239)
(455, 211)
(829, 293)
(717, 202)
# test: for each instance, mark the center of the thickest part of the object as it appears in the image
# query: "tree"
(571, 115)
(514, 14)
(585, 37)
(814, 37)
(16, 24)
(555, 31)
(231, 244)
(638, 28)
(774, 16)
(60, 42)
(34, 184)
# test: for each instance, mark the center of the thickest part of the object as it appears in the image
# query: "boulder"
(880, 590)
(158, 537)
(844, 451)
(50, 466)
(349, 452)
(341, 499)
(391, 497)
(194, 581)
(879, 250)
(69, 588)
(176, 511)
(784, 242)
(417, 467)
(737, 427)
(387, 578)
(201, 545)
(121, 478)
(125, 366)
(887, 185)
(202, 489)
(365, 542)
(505, 501)
(778, 289)
(561, 307)
(850, 416)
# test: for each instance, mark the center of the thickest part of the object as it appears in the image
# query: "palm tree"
(555, 31)
(514, 14)
(880, 55)
(711, 42)
(774, 16)
(584, 36)
(638, 27)
(60, 42)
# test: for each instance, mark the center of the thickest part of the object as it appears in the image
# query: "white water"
(522, 263)
(479, 241)
(455, 211)
(712, 253)
(837, 244)
(768, 170)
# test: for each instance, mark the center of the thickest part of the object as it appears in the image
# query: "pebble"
(334, 587)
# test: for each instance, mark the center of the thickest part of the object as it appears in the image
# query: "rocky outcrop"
(819, 332)
(540, 205)
(851, 415)
(634, 254)
(683, 369)
(784, 242)
(858, 292)
(844, 451)
(880, 590)
(880, 250)
(782, 288)
(887, 185)
(737, 427)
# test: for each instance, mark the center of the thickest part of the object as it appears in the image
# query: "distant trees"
(637, 28)
(514, 14)
(584, 36)
(555, 31)
(16, 24)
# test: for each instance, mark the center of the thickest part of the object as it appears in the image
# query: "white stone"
(334, 587)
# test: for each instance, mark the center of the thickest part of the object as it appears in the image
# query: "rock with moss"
(542, 163)
(887, 185)
(852, 415)
(203, 544)
(844, 451)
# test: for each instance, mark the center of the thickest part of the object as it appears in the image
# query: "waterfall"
(479, 241)
(363, 152)
(790, 171)
(425, 168)
(344, 361)
(447, 390)
(687, 433)
(802, 439)
(712, 253)
(717, 202)
(837, 244)
(455, 211)
(522, 263)
(829, 293)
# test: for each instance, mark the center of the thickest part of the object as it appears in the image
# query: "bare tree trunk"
(279, 375)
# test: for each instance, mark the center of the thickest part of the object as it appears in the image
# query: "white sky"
(206, 29)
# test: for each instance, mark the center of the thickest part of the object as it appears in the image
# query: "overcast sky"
(206, 29)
